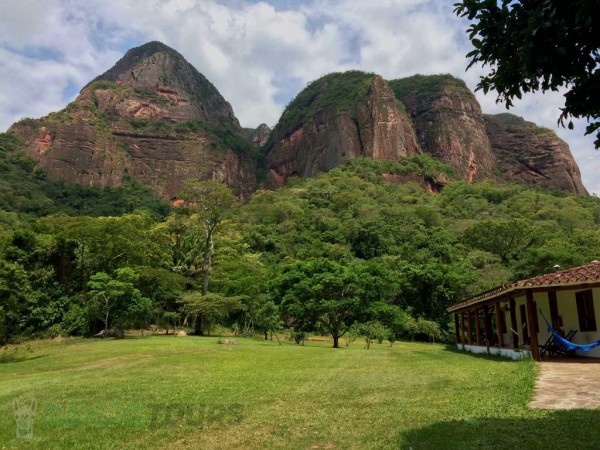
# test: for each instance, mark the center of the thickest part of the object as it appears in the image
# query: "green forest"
(345, 254)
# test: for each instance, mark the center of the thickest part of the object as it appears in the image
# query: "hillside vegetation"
(334, 92)
(26, 189)
(425, 88)
(333, 254)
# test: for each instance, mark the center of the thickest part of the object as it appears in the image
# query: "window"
(585, 310)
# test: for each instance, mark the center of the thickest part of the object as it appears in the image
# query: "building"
(508, 320)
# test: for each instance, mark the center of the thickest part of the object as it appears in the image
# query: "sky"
(259, 54)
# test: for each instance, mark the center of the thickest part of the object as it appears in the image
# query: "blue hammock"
(569, 345)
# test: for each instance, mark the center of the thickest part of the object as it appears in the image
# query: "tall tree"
(533, 45)
(321, 293)
(210, 203)
(14, 293)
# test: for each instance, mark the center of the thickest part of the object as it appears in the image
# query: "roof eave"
(465, 304)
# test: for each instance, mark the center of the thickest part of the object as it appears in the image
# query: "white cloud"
(257, 54)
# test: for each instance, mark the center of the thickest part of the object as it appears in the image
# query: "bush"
(75, 322)
(370, 331)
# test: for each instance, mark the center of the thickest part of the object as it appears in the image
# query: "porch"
(508, 320)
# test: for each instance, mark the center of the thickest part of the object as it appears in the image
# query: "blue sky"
(259, 54)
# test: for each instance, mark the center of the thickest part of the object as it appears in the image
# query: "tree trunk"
(334, 329)
(198, 325)
(266, 337)
(207, 263)
(336, 340)
(206, 266)
(106, 316)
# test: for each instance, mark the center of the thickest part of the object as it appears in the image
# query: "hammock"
(567, 344)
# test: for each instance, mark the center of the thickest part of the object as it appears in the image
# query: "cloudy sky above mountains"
(259, 54)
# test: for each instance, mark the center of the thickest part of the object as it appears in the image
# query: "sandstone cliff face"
(448, 123)
(533, 156)
(320, 131)
(152, 116)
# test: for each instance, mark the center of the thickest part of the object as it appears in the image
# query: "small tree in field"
(429, 328)
(268, 319)
(371, 331)
(320, 293)
(210, 308)
(113, 294)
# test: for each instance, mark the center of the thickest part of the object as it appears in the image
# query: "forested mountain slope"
(404, 251)
(389, 201)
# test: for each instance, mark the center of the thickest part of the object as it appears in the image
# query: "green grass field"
(188, 392)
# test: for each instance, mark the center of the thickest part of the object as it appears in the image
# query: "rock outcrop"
(152, 116)
(448, 123)
(260, 136)
(337, 118)
(531, 155)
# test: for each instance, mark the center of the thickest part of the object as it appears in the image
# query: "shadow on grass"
(566, 429)
(451, 348)
(20, 358)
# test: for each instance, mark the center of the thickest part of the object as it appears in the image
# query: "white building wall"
(567, 309)
(505, 352)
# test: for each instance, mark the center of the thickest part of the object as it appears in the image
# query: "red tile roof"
(588, 273)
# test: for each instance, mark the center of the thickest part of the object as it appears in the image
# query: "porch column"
(487, 322)
(513, 322)
(499, 325)
(456, 328)
(462, 319)
(477, 327)
(531, 316)
(469, 328)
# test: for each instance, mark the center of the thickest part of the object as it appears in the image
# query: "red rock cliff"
(152, 116)
(337, 118)
(531, 155)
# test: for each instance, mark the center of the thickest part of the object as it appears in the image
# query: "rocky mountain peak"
(132, 57)
(338, 117)
(260, 135)
(152, 116)
(449, 123)
(157, 69)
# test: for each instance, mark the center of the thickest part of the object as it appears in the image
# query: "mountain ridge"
(154, 117)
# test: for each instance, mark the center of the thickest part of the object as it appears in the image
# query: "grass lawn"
(188, 392)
